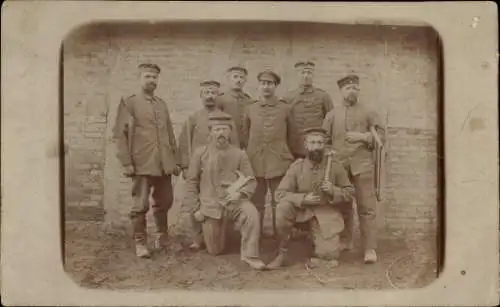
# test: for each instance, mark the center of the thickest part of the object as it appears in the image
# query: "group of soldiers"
(314, 159)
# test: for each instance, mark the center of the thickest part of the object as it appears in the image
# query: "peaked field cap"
(305, 64)
(149, 67)
(315, 130)
(210, 83)
(219, 118)
(350, 79)
(269, 73)
(238, 68)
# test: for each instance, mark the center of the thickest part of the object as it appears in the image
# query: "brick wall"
(397, 66)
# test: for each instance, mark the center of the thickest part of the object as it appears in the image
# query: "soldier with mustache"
(148, 153)
(235, 100)
(196, 133)
(212, 170)
(349, 128)
(267, 124)
(309, 106)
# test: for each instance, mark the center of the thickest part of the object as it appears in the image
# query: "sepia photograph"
(264, 155)
(175, 153)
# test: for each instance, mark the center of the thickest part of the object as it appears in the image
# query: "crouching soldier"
(308, 194)
(212, 197)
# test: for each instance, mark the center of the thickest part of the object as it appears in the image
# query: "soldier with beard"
(211, 171)
(234, 101)
(196, 133)
(349, 127)
(308, 195)
(148, 153)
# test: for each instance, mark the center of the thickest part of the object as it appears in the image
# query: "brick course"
(397, 66)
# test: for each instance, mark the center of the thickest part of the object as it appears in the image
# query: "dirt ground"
(103, 257)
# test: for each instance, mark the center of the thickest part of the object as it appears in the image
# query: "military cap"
(269, 73)
(305, 65)
(219, 118)
(210, 83)
(238, 68)
(149, 67)
(350, 79)
(315, 130)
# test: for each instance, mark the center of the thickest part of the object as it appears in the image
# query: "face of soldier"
(237, 79)
(267, 87)
(209, 94)
(149, 81)
(350, 93)
(306, 77)
(315, 145)
(220, 133)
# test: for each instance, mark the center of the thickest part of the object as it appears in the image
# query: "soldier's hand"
(311, 199)
(129, 171)
(184, 173)
(354, 137)
(177, 170)
(233, 196)
(327, 187)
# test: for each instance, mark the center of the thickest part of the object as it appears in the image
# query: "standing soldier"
(212, 198)
(267, 123)
(148, 152)
(196, 133)
(352, 128)
(235, 100)
(309, 194)
(309, 105)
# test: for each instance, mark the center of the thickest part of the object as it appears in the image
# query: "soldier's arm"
(287, 189)
(171, 135)
(192, 184)
(374, 120)
(289, 127)
(246, 169)
(184, 140)
(121, 133)
(328, 125)
(327, 103)
(343, 190)
(246, 127)
(235, 140)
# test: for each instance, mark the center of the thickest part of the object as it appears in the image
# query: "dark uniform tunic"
(309, 105)
(268, 125)
(234, 103)
(146, 141)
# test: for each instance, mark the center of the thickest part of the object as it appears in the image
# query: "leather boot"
(278, 261)
(255, 264)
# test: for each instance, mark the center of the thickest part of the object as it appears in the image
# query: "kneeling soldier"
(213, 198)
(308, 194)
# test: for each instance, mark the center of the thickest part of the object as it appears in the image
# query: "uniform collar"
(270, 102)
(238, 93)
(313, 165)
(150, 98)
(306, 89)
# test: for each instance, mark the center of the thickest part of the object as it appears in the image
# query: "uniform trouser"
(286, 217)
(245, 219)
(163, 198)
(259, 195)
(367, 208)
